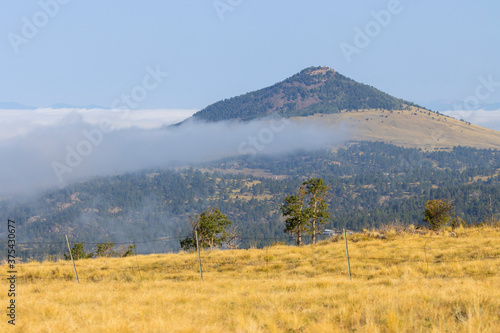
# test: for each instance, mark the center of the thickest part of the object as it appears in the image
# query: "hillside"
(372, 183)
(406, 281)
(313, 90)
(322, 94)
(413, 128)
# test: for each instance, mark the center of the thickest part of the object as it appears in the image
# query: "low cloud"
(46, 148)
(20, 122)
(488, 119)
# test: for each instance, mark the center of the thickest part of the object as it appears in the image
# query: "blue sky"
(164, 60)
(93, 52)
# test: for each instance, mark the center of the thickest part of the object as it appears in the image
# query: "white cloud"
(488, 119)
(21, 122)
(56, 148)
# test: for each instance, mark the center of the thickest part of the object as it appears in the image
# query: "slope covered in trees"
(313, 90)
(370, 184)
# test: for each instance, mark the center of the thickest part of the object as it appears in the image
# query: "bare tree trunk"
(315, 211)
(314, 231)
(232, 239)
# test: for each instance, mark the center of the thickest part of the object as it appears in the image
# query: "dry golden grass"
(414, 128)
(402, 282)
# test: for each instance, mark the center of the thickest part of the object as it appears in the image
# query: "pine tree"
(297, 215)
(316, 192)
(307, 210)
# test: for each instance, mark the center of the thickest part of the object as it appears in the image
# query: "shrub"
(101, 250)
(211, 226)
(78, 252)
(438, 213)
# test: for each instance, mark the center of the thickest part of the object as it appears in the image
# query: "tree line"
(370, 184)
(305, 213)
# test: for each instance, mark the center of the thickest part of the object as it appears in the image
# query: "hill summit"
(325, 96)
(314, 90)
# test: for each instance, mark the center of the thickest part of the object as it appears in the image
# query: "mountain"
(491, 107)
(61, 106)
(313, 90)
(14, 106)
(17, 106)
(69, 106)
(326, 96)
(445, 105)
(93, 106)
(402, 156)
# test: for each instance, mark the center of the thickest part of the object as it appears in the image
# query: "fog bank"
(53, 150)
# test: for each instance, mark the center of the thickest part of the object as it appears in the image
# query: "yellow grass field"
(413, 128)
(403, 281)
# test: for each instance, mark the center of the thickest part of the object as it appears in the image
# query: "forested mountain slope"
(313, 90)
(371, 184)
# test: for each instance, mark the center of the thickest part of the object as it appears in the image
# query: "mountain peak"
(321, 70)
(314, 90)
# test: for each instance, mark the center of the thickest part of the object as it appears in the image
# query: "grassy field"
(414, 128)
(402, 281)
